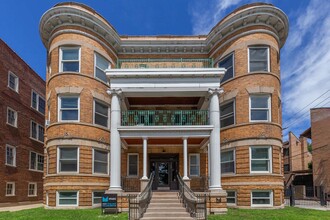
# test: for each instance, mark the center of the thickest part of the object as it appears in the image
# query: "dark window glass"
(228, 64)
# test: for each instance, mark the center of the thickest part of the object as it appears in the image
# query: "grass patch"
(290, 213)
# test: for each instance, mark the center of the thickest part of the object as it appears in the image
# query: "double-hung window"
(37, 131)
(260, 159)
(67, 198)
(70, 59)
(227, 114)
(258, 59)
(10, 189)
(100, 161)
(101, 64)
(228, 63)
(97, 197)
(68, 159)
(133, 160)
(68, 108)
(194, 164)
(10, 155)
(38, 102)
(260, 105)
(231, 197)
(36, 161)
(32, 189)
(228, 162)
(11, 117)
(261, 198)
(101, 114)
(12, 81)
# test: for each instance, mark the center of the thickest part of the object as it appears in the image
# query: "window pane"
(133, 165)
(68, 153)
(230, 194)
(259, 115)
(41, 106)
(259, 101)
(69, 102)
(228, 167)
(258, 66)
(194, 170)
(70, 54)
(101, 62)
(71, 66)
(228, 64)
(259, 153)
(40, 162)
(193, 159)
(34, 100)
(101, 109)
(101, 120)
(101, 75)
(10, 154)
(41, 133)
(227, 156)
(97, 197)
(227, 121)
(100, 156)
(260, 194)
(258, 54)
(33, 159)
(227, 109)
(261, 201)
(259, 165)
(231, 200)
(100, 167)
(68, 165)
(70, 115)
(34, 130)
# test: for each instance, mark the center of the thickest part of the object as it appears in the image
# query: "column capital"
(215, 91)
(114, 92)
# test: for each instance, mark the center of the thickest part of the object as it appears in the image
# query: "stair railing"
(138, 204)
(195, 204)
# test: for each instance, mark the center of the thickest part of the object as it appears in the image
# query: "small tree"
(310, 165)
(309, 148)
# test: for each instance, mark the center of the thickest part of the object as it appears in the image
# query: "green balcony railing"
(164, 117)
(164, 63)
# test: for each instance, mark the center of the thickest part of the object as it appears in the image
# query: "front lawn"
(239, 214)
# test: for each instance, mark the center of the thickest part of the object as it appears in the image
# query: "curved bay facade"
(122, 107)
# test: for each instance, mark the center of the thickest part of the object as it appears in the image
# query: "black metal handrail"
(138, 203)
(195, 204)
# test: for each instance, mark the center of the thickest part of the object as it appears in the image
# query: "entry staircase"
(165, 206)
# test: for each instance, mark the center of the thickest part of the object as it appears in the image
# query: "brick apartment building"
(319, 132)
(22, 109)
(206, 107)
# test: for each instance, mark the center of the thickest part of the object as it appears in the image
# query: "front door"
(165, 168)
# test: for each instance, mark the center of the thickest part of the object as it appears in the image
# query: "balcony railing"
(164, 117)
(164, 63)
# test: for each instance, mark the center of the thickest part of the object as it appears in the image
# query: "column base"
(144, 183)
(217, 201)
(186, 181)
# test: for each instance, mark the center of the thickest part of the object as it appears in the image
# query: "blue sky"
(305, 58)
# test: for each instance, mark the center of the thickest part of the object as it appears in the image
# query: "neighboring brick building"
(22, 107)
(129, 106)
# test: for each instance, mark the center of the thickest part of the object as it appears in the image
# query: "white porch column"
(115, 142)
(185, 158)
(214, 146)
(145, 141)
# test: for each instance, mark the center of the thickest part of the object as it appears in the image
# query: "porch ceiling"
(164, 141)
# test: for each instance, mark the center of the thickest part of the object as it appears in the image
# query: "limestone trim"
(252, 175)
(260, 89)
(254, 184)
(252, 141)
(79, 123)
(251, 123)
(76, 75)
(101, 97)
(76, 142)
(68, 89)
(48, 97)
(228, 95)
(251, 74)
(76, 184)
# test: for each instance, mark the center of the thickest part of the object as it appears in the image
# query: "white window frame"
(13, 189)
(59, 112)
(269, 118)
(58, 198)
(107, 173)
(37, 132)
(95, 57)
(235, 197)
(14, 155)
(262, 205)
(234, 111)
(128, 159)
(16, 117)
(35, 189)
(270, 165)
(199, 164)
(234, 157)
(61, 56)
(16, 89)
(268, 57)
(38, 97)
(36, 162)
(225, 57)
(94, 112)
(58, 159)
(96, 204)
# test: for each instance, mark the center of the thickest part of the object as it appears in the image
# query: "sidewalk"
(20, 207)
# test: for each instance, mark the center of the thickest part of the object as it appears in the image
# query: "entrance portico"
(159, 122)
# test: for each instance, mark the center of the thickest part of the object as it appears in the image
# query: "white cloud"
(205, 15)
(305, 69)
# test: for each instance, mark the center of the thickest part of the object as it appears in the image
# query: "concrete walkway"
(20, 207)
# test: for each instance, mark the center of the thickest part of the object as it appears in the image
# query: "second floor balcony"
(164, 117)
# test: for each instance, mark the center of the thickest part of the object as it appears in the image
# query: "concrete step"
(166, 214)
(166, 209)
(167, 218)
(161, 205)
